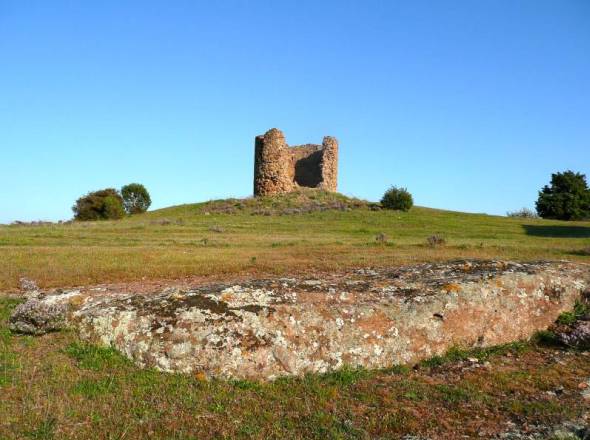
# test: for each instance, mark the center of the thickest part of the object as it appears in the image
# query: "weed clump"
(580, 310)
(382, 238)
(522, 213)
(91, 357)
(436, 240)
(585, 252)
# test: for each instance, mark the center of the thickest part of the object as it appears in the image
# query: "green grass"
(57, 387)
(481, 354)
(252, 236)
(568, 318)
(92, 357)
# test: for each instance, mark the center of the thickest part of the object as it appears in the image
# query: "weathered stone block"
(268, 328)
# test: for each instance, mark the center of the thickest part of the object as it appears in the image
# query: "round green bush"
(397, 198)
(136, 198)
(99, 205)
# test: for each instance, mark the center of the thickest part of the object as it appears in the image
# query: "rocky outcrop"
(268, 328)
(576, 335)
(40, 316)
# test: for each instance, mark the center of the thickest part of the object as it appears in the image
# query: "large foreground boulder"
(263, 329)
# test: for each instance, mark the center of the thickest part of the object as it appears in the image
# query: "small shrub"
(161, 222)
(581, 309)
(436, 240)
(136, 198)
(99, 205)
(585, 252)
(546, 338)
(382, 238)
(398, 199)
(522, 213)
(216, 228)
(566, 318)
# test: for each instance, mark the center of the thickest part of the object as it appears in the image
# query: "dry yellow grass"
(251, 237)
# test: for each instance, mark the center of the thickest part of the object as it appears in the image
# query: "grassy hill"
(271, 235)
(56, 387)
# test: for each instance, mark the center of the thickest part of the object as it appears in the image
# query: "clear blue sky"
(470, 104)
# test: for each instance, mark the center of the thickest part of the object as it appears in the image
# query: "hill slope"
(296, 232)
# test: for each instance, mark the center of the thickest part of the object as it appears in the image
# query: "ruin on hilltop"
(279, 168)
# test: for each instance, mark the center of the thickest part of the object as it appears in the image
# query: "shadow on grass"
(581, 252)
(557, 231)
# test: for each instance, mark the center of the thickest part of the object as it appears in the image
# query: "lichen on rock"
(374, 318)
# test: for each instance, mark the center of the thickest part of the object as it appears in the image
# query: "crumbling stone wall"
(279, 168)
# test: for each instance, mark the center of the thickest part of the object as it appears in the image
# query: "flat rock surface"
(263, 329)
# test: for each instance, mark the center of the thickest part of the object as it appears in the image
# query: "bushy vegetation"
(580, 310)
(136, 198)
(104, 204)
(398, 199)
(110, 204)
(566, 198)
(522, 213)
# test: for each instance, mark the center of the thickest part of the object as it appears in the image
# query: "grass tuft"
(91, 388)
(92, 357)
(346, 376)
(456, 354)
(44, 431)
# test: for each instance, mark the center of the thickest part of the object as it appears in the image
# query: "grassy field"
(270, 236)
(55, 387)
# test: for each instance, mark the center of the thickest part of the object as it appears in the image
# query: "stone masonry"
(279, 168)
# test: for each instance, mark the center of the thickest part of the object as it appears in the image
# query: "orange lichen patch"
(326, 314)
(467, 267)
(378, 322)
(451, 287)
(226, 296)
(201, 376)
(77, 300)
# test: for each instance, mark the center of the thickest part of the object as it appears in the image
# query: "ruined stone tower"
(279, 168)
